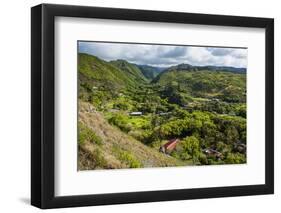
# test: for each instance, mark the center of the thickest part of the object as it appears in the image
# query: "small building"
(212, 153)
(136, 113)
(113, 110)
(164, 113)
(240, 147)
(169, 146)
(215, 99)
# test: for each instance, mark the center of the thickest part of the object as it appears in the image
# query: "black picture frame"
(43, 102)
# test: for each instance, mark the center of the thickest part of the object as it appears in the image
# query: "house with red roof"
(169, 146)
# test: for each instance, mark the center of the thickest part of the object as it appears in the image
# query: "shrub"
(203, 159)
(91, 159)
(120, 121)
(86, 134)
(98, 158)
(191, 145)
(122, 105)
(235, 158)
(185, 156)
(145, 136)
(126, 157)
(129, 159)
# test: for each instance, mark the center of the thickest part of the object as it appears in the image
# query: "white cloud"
(166, 55)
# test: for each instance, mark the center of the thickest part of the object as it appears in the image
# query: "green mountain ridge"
(95, 69)
(128, 74)
(118, 75)
(189, 67)
(107, 78)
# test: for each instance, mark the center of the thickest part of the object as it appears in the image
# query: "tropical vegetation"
(128, 111)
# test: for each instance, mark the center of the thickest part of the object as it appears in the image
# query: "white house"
(136, 113)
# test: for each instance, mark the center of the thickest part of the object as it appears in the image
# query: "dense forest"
(133, 116)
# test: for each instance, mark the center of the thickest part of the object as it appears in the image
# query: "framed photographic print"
(139, 106)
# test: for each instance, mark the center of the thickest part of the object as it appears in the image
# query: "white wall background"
(15, 105)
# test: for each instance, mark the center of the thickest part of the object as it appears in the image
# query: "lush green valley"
(128, 112)
(150, 72)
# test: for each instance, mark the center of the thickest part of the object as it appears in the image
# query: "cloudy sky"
(166, 55)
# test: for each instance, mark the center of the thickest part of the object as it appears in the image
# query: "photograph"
(160, 105)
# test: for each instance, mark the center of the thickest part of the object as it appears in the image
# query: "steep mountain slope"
(150, 72)
(131, 70)
(115, 149)
(96, 72)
